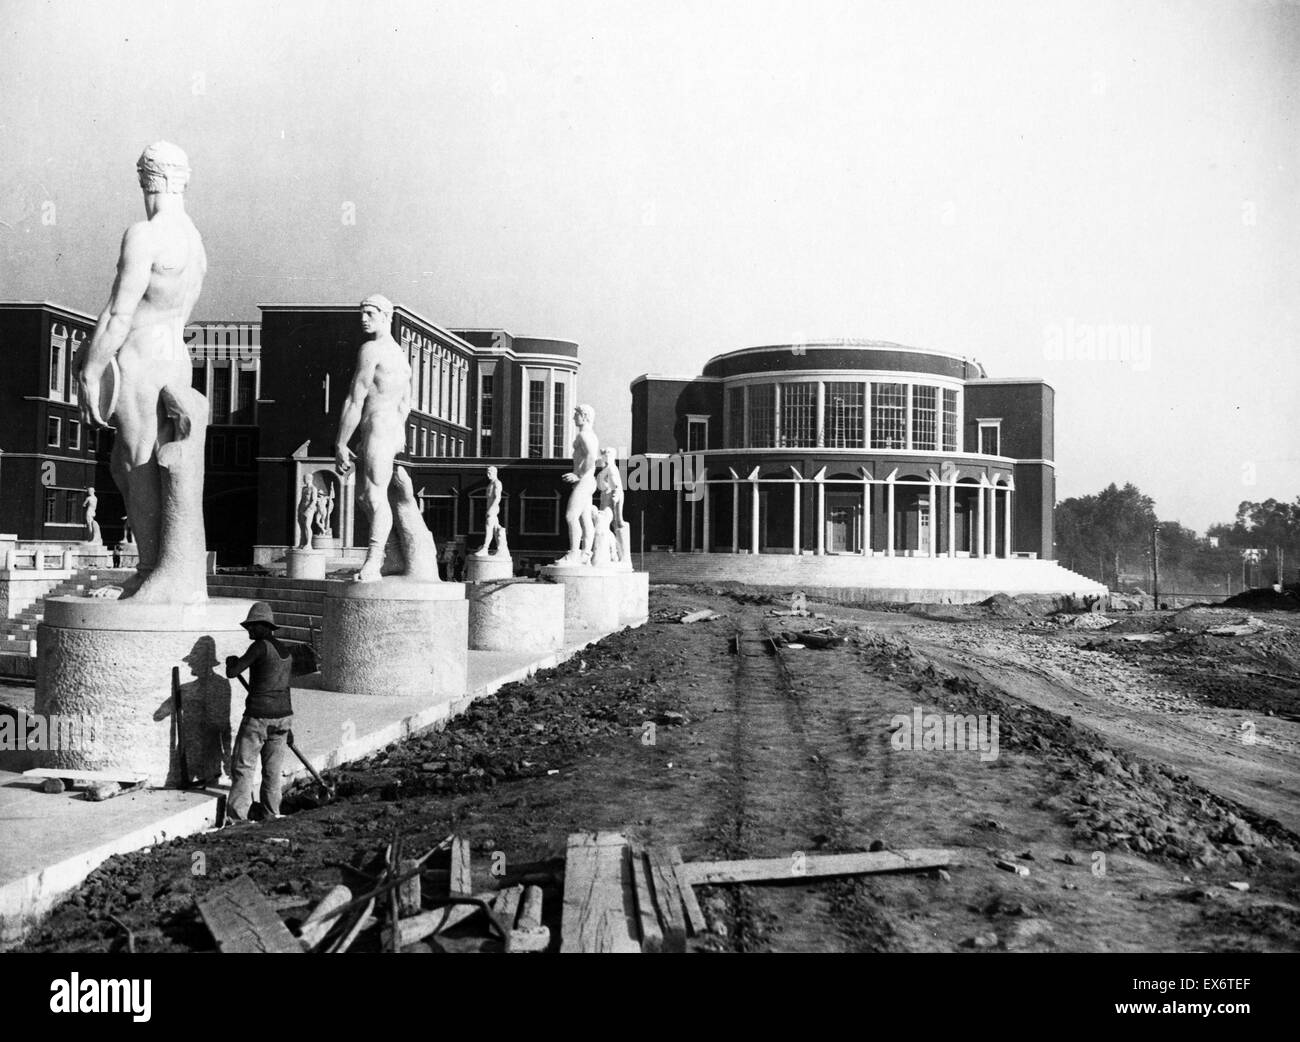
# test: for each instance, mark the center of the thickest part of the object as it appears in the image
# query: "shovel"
(325, 786)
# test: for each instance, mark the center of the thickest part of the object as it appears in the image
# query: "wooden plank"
(315, 926)
(599, 905)
(460, 881)
(694, 916)
(530, 912)
(122, 776)
(652, 937)
(814, 866)
(241, 919)
(409, 898)
(417, 927)
(506, 905)
(668, 899)
(364, 921)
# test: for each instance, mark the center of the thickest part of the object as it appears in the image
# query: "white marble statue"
(306, 511)
(375, 410)
(134, 374)
(324, 511)
(583, 479)
(492, 524)
(609, 481)
(91, 503)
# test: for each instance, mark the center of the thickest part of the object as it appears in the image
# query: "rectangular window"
(949, 420)
(74, 434)
(761, 404)
(56, 368)
(889, 416)
(486, 384)
(536, 418)
(444, 384)
(735, 418)
(410, 438)
(53, 432)
(217, 450)
(245, 391)
(51, 505)
(199, 378)
(462, 395)
(243, 450)
(799, 415)
(221, 394)
(560, 428)
(844, 420)
(924, 417)
(541, 515)
(72, 510)
(92, 440)
(697, 435)
(990, 439)
(442, 444)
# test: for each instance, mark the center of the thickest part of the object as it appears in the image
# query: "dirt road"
(1133, 817)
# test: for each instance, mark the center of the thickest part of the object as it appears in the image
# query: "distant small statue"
(306, 511)
(91, 503)
(583, 479)
(492, 524)
(324, 511)
(610, 483)
(376, 409)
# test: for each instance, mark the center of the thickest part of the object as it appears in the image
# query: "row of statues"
(598, 535)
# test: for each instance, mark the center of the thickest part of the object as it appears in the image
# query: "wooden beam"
(460, 882)
(506, 905)
(240, 919)
(668, 898)
(652, 937)
(316, 926)
(599, 904)
(123, 777)
(814, 866)
(410, 899)
(694, 916)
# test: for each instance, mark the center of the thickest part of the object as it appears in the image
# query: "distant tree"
(1103, 527)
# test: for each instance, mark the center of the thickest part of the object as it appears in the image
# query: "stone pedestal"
(104, 670)
(325, 542)
(396, 637)
(591, 596)
(305, 564)
(516, 616)
(634, 597)
(487, 569)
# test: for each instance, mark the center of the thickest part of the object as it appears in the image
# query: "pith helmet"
(260, 612)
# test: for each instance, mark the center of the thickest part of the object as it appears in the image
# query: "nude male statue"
(306, 511)
(583, 479)
(376, 409)
(91, 503)
(324, 508)
(492, 525)
(610, 484)
(134, 373)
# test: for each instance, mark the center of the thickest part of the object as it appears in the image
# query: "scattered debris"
(1012, 866)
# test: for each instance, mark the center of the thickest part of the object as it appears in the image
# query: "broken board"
(122, 777)
(241, 919)
(599, 905)
(813, 866)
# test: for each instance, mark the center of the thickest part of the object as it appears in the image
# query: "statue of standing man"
(134, 374)
(91, 503)
(492, 524)
(306, 511)
(375, 410)
(583, 479)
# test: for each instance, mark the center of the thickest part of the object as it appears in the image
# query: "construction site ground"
(1146, 776)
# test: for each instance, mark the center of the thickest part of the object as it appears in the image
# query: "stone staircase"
(297, 603)
(18, 635)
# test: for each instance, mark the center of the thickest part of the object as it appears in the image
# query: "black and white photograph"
(687, 477)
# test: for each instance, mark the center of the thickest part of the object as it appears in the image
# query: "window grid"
(536, 418)
(221, 394)
(799, 415)
(540, 515)
(889, 416)
(924, 416)
(949, 420)
(560, 428)
(485, 404)
(990, 440)
(844, 420)
(735, 417)
(761, 415)
(697, 435)
(53, 432)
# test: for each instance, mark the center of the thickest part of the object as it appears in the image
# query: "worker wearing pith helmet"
(268, 716)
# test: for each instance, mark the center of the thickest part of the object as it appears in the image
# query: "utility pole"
(1155, 564)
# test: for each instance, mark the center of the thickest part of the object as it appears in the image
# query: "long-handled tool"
(329, 789)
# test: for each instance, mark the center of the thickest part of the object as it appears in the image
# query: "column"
(1006, 520)
(889, 518)
(993, 521)
(821, 516)
(866, 518)
(692, 547)
(677, 541)
(798, 496)
(753, 537)
(952, 520)
(706, 542)
(735, 517)
(979, 526)
(348, 508)
(934, 519)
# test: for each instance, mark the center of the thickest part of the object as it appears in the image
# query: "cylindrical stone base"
(104, 669)
(516, 616)
(324, 542)
(634, 598)
(591, 596)
(396, 637)
(305, 564)
(487, 569)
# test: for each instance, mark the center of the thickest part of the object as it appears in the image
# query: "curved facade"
(844, 447)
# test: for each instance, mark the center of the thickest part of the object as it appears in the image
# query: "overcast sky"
(664, 181)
